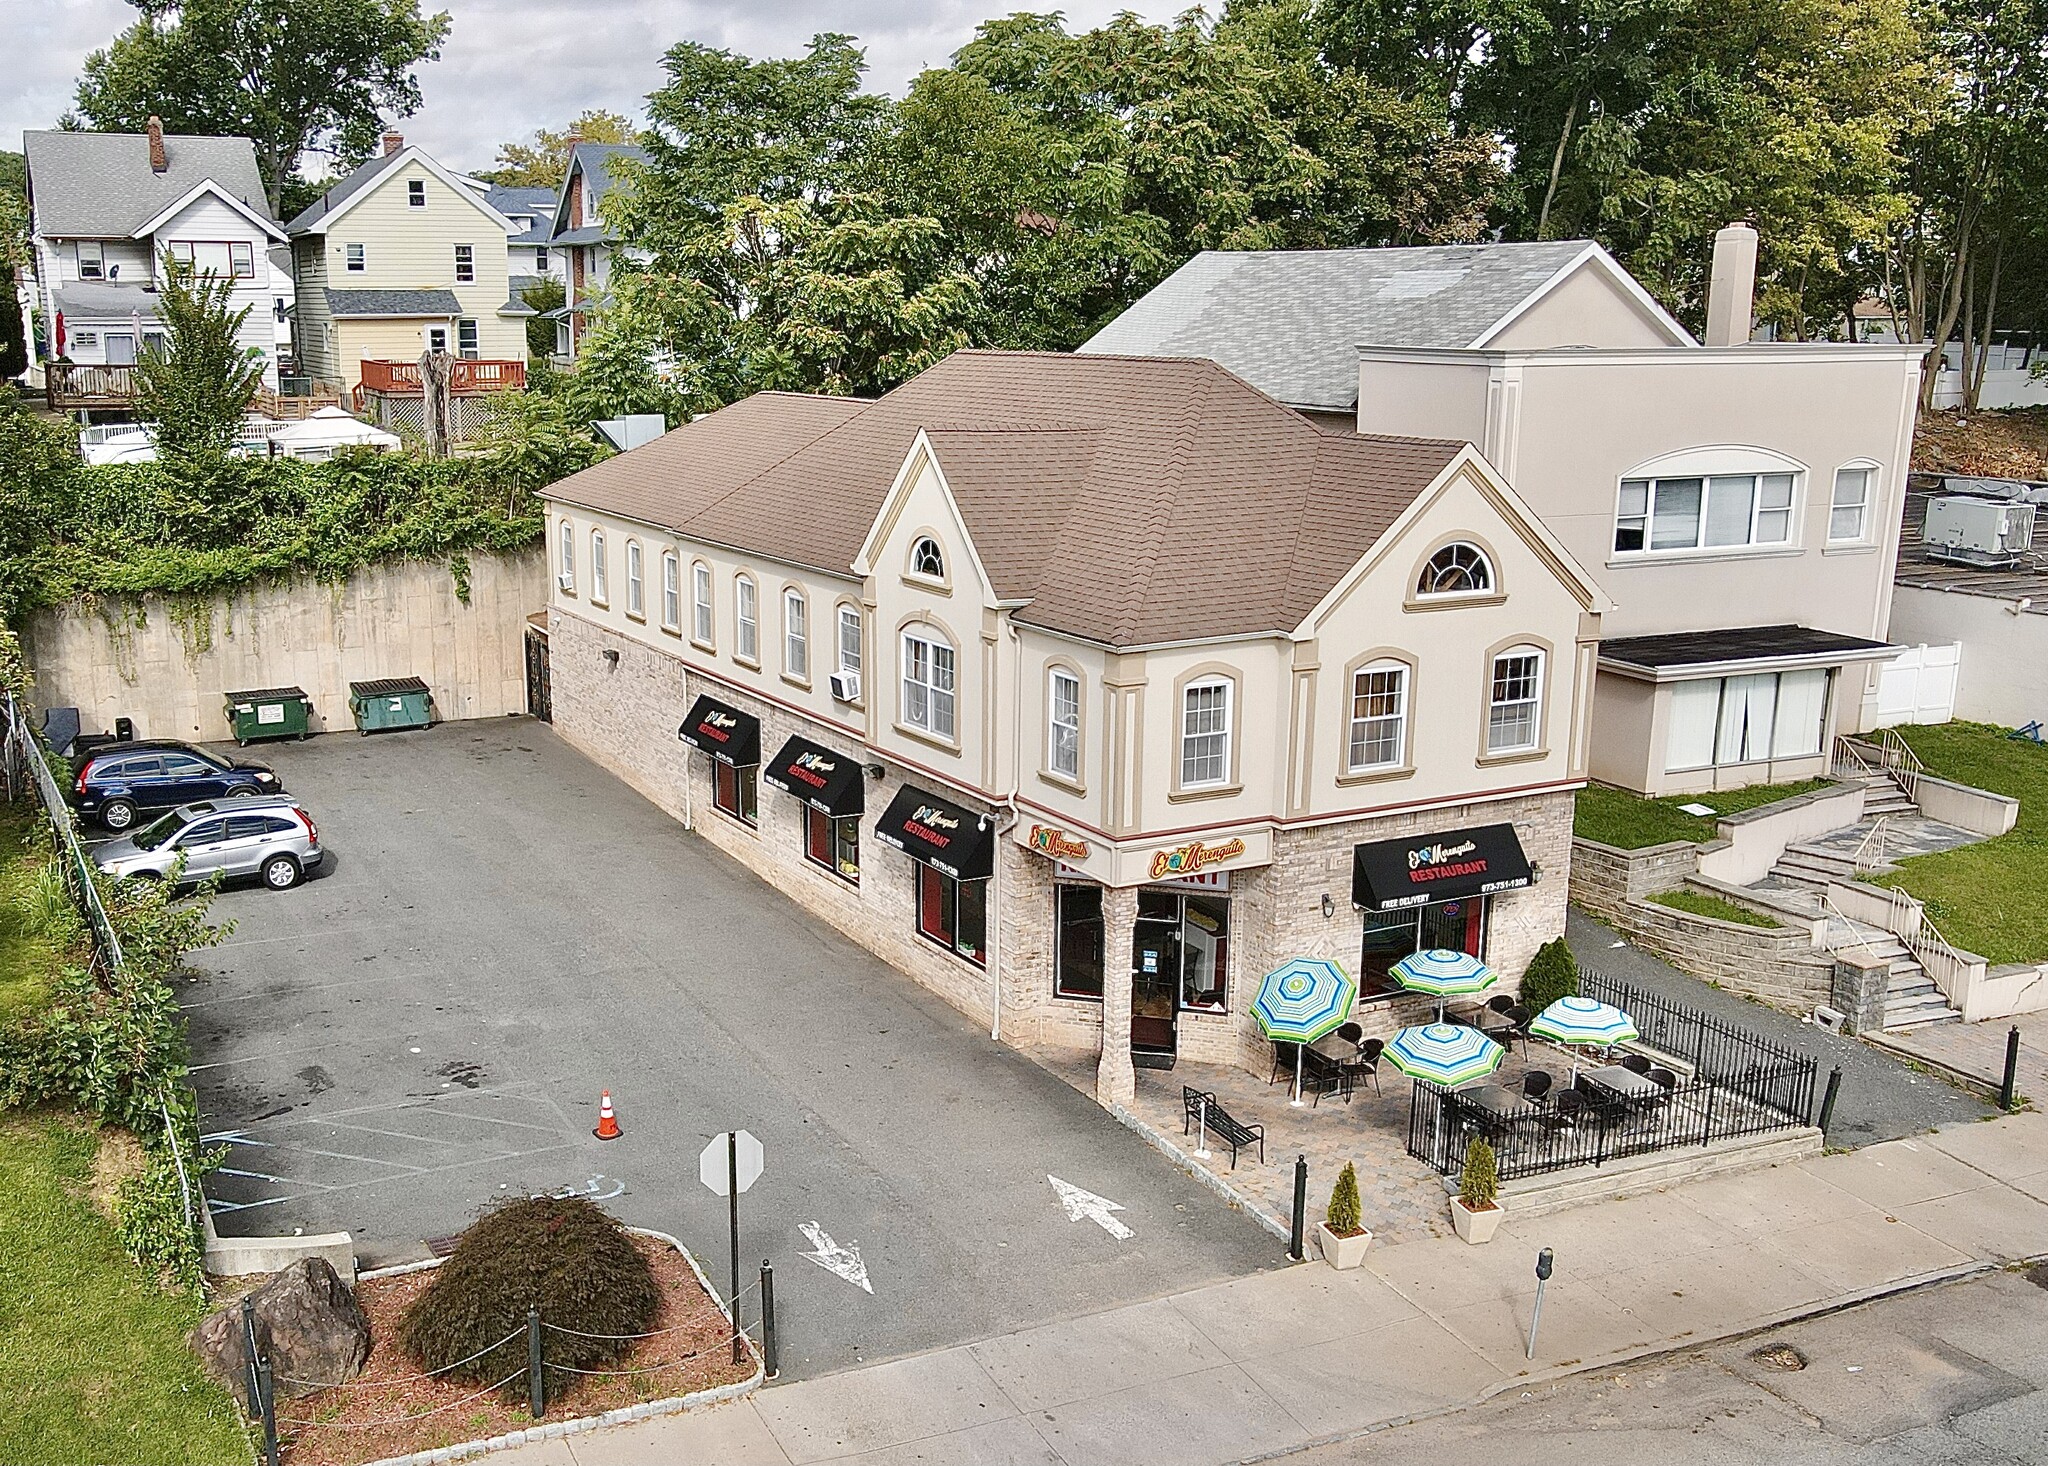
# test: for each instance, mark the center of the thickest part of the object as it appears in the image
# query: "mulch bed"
(366, 1419)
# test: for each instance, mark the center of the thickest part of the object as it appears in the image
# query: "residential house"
(399, 258)
(1738, 501)
(283, 301)
(581, 235)
(530, 254)
(107, 210)
(1087, 689)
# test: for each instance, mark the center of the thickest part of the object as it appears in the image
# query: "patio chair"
(1636, 1063)
(1535, 1086)
(1371, 1049)
(1283, 1062)
(1351, 1033)
(1501, 1003)
(1566, 1110)
(1321, 1075)
(1658, 1074)
(1365, 1066)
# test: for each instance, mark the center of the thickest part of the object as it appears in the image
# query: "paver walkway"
(1978, 1050)
(1272, 1363)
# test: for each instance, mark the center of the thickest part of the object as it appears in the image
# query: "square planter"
(1475, 1226)
(1342, 1253)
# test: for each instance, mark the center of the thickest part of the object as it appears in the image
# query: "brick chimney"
(393, 141)
(159, 161)
(1731, 290)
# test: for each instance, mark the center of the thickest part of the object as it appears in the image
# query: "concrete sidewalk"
(1269, 1364)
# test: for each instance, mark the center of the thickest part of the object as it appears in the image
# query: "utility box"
(269, 712)
(390, 702)
(1966, 530)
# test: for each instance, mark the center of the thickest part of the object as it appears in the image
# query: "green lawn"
(1630, 822)
(93, 1363)
(1987, 898)
(26, 958)
(1699, 903)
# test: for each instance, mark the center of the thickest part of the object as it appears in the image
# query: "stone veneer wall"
(626, 716)
(1604, 877)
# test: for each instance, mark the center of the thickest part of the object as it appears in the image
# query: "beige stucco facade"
(1268, 843)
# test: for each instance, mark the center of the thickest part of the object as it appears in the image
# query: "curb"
(1970, 1083)
(584, 1424)
(1203, 1174)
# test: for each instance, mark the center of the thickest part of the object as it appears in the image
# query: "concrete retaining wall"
(1977, 810)
(1751, 840)
(166, 661)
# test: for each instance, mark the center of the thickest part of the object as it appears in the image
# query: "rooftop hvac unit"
(1964, 530)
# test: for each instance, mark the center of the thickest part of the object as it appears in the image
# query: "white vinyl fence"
(1919, 686)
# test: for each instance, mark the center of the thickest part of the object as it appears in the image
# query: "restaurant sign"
(1388, 875)
(1182, 861)
(1057, 844)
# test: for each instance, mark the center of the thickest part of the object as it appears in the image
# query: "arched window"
(748, 617)
(1458, 569)
(671, 591)
(1514, 700)
(599, 581)
(796, 635)
(636, 596)
(700, 603)
(566, 574)
(927, 559)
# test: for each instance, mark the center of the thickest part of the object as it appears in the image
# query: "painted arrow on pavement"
(1095, 1208)
(845, 1262)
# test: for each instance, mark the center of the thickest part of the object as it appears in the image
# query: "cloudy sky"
(512, 65)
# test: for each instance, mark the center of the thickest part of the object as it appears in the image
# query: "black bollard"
(1295, 1247)
(768, 1319)
(2009, 1091)
(1827, 1103)
(536, 1382)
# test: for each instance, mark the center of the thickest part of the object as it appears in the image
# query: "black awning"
(818, 776)
(726, 733)
(1389, 874)
(942, 835)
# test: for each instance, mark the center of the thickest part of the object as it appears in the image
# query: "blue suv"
(117, 780)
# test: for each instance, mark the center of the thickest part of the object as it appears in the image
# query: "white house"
(108, 209)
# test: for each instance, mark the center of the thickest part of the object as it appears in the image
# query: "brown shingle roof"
(1128, 499)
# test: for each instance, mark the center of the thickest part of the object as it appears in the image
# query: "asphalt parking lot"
(503, 929)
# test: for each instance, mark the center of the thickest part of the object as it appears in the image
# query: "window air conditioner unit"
(846, 686)
(565, 581)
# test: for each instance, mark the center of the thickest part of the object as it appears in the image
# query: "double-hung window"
(1205, 733)
(928, 683)
(566, 575)
(636, 597)
(92, 260)
(671, 591)
(1703, 512)
(352, 254)
(849, 641)
(1514, 703)
(466, 344)
(1850, 514)
(700, 603)
(1379, 716)
(600, 589)
(796, 636)
(1063, 724)
(748, 617)
(416, 193)
(465, 264)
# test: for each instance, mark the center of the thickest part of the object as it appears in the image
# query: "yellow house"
(401, 257)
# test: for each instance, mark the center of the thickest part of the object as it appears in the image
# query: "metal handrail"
(1879, 835)
(1829, 907)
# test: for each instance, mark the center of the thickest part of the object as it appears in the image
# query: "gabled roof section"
(99, 185)
(595, 160)
(1127, 501)
(1290, 321)
(207, 187)
(324, 212)
(537, 204)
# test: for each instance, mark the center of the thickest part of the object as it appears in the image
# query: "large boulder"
(307, 1323)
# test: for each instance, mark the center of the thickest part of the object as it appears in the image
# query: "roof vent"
(393, 141)
(159, 161)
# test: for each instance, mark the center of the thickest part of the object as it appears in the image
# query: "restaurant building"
(1085, 690)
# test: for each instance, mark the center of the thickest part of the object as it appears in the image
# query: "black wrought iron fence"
(1742, 1084)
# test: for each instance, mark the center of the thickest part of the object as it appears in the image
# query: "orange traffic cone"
(607, 1122)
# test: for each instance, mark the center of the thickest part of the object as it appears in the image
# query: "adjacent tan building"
(1737, 501)
(1090, 689)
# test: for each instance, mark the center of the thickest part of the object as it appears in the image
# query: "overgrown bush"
(1479, 1183)
(1345, 1216)
(1553, 973)
(569, 1256)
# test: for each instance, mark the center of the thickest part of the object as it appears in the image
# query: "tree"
(544, 161)
(544, 295)
(293, 76)
(13, 255)
(1553, 973)
(197, 386)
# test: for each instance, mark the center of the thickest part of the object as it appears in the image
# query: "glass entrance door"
(1155, 972)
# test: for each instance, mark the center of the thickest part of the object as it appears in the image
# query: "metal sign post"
(1543, 1270)
(1202, 1128)
(730, 1164)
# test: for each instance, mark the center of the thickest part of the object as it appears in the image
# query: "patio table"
(1624, 1083)
(1495, 1099)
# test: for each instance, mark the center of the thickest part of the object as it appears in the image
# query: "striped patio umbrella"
(1301, 1000)
(1449, 1054)
(1442, 973)
(1583, 1021)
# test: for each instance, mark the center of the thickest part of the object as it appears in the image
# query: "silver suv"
(269, 836)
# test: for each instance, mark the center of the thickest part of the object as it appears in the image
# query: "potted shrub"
(1341, 1235)
(1474, 1211)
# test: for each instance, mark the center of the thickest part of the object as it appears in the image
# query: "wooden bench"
(1199, 1107)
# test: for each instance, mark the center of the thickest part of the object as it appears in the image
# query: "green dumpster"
(269, 712)
(390, 702)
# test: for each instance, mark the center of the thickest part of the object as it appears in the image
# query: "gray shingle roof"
(359, 304)
(1098, 488)
(594, 160)
(1288, 321)
(91, 300)
(536, 203)
(99, 185)
(333, 199)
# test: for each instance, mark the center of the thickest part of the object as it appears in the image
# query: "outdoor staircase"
(1882, 796)
(1911, 998)
(1813, 865)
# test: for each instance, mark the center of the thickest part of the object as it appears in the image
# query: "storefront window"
(1204, 952)
(833, 843)
(1456, 926)
(1077, 956)
(733, 790)
(953, 913)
